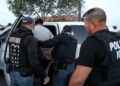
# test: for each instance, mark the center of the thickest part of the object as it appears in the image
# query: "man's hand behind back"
(46, 80)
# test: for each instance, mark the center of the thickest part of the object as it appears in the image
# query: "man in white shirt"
(41, 32)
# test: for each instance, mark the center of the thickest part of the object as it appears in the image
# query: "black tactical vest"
(65, 52)
(71, 45)
(107, 73)
(18, 53)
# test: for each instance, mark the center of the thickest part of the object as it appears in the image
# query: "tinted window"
(4, 36)
(118, 32)
(79, 32)
(52, 29)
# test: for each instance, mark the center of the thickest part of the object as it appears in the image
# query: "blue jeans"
(62, 77)
(18, 80)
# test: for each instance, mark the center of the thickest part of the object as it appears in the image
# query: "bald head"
(97, 14)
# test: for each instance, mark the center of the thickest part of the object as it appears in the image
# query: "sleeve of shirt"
(87, 53)
(51, 42)
(34, 32)
(37, 31)
(33, 56)
(50, 34)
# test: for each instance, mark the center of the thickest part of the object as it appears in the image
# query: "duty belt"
(64, 65)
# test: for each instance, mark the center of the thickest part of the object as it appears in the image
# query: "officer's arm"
(51, 42)
(80, 75)
(33, 57)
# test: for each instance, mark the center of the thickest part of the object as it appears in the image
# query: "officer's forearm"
(75, 81)
(38, 70)
(80, 75)
(34, 62)
(47, 44)
(40, 43)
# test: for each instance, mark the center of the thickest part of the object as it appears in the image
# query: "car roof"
(114, 28)
(62, 24)
(66, 23)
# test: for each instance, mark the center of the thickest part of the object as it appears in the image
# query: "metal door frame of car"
(5, 53)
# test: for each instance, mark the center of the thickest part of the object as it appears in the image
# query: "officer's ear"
(92, 25)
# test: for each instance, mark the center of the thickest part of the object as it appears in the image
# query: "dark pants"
(38, 82)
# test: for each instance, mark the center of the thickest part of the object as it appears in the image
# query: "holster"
(62, 66)
(8, 68)
(25, 72)
(8, 65)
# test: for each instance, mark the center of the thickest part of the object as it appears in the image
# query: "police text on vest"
(116, 47)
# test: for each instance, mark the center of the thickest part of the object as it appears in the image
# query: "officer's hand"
(39, 42)
(46, 80)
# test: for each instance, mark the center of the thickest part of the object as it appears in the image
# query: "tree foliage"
(31, 7)
(43, 7)
(65, 7)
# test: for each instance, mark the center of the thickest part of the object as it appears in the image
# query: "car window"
(118, 32)
(51, 28)
(79, 33)
(4, 35)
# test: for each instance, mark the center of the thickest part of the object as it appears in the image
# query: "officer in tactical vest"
(99, 61)
(23, 56)
(64, 55)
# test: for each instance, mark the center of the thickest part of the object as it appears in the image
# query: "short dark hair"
(96, 13)
(39, 21)
(67, 28)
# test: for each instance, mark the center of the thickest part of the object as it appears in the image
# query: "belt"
(70, 62)
(64, 65)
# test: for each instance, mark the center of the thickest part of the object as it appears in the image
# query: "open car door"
(5, 49)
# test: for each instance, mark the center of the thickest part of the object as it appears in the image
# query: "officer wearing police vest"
(23, 56)
(99, 61)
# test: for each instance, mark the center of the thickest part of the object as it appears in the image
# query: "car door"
(2, 41)
(79, 33)
(5, 49)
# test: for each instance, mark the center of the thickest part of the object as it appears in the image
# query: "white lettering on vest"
(116, 47)
(118, 54)
(15, 40)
